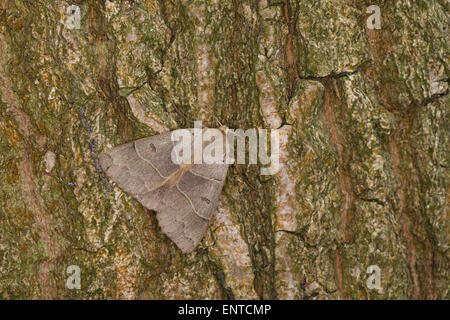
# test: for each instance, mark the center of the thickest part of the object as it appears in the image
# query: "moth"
(184, 196)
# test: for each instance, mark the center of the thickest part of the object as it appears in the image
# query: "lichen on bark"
(362, 116)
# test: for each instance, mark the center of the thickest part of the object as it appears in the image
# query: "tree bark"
(364, 142)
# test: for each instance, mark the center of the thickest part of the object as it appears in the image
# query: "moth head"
(223, 128)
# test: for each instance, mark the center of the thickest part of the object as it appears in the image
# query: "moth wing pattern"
(183, 210)
(129, 166)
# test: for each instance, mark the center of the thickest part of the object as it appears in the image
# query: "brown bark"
(363, 120)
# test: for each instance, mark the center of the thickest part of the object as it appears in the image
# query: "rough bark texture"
(365, 138)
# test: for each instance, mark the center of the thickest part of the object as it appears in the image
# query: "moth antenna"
(218, 121)
(221, 125)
